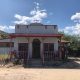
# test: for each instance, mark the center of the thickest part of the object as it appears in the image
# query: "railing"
(22, 54)
(50, 55)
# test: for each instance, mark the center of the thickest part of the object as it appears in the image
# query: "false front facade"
(36, 41)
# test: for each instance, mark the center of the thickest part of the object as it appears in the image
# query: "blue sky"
(64, 13)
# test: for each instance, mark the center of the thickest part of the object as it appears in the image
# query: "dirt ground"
(66, 71)
(39, 74)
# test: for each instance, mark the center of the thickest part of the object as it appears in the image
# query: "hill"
(3, 35)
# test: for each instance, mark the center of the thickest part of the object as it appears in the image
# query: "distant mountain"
(2, 32)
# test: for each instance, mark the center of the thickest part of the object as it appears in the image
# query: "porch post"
(60, 53)
(42, 52)
(30, 50)
(10, 44)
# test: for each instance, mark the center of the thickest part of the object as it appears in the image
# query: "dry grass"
(3, 56)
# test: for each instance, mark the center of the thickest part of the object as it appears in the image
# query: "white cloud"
(11, 27)
(2, 27)
(72, 29)
(22, 19)
(7, 28)
(36, 3)
(75, 16)
(36, 15)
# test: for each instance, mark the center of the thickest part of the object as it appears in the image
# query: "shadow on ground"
(71, 63)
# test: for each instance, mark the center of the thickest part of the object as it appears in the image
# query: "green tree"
(74, 40)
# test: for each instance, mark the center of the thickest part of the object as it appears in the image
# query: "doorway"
(36, 49)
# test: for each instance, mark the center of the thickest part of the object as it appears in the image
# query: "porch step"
(35, 63)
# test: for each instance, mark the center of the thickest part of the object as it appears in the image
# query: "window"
(18, 26)
(45, 26)
(27, 26)
(6, 44)
(48, 51)
(48, 47)
(45, 47)
(51, 47)
(23, 46)
(55, 26)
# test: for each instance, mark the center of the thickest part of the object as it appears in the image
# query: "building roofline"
(34, 25)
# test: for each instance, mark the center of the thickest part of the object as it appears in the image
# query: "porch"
(39, 47)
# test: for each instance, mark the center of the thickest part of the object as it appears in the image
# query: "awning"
(35, 35)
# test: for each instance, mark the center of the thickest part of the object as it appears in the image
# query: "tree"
(74, 42)
(3, 36)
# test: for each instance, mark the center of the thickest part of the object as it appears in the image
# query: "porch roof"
(35, 35)
(65, 41)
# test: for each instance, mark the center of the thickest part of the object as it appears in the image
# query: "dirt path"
(39, 74)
